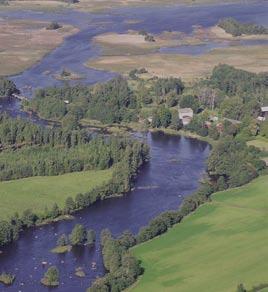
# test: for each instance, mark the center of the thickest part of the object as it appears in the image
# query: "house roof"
(264, 108)
(185, 110)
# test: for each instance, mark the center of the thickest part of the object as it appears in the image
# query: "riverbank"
(25, 42)
(184, 259)
(187, 134)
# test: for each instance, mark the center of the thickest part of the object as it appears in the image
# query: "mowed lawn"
(260, 142)
(222, 244)
(38, 192)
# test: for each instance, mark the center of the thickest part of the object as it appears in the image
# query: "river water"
(177, 163)
(174, 171)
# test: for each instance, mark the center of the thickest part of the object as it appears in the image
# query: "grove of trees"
(236, 28)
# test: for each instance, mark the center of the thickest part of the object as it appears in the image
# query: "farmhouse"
(186, 115)
(264, 113)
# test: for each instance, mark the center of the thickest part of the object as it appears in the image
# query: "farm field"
(222, 244)
(38, 192)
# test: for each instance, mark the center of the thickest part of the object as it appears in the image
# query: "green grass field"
(222, 244)
(259, 142)
(37, 192)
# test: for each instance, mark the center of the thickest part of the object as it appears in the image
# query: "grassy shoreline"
(36, 193)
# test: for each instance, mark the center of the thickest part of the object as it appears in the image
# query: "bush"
(51, 277)
(91, 237)
(62, 240)
(78, 235)
(53, 26)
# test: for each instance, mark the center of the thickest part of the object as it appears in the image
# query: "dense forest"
(16, 132)
(31, 150)
(55, 151)
(110, 102)
(236, 28)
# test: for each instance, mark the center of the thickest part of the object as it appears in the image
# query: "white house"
(186, 115)
(264, 114)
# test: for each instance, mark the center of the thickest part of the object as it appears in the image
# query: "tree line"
(99, 153)
(16, 132)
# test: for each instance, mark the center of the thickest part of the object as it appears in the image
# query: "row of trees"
(123, 269)
(78, 236)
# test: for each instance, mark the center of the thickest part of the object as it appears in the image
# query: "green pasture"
(222, 244)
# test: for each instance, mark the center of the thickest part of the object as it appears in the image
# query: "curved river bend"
(176, 165)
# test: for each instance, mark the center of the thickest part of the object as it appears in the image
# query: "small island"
(66, 74)
(7, 279)
(51, 277)
(79, 272)
(78, 237)
(236, 28)
(53, 26)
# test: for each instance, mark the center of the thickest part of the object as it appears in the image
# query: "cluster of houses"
(186, 115)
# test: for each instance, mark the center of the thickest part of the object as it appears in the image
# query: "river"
(177, 163)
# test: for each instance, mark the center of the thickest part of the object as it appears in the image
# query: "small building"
(264, 114)
(186, 115)
(213, 119)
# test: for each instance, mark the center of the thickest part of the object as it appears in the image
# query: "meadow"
(251, 58)
(38, 192)
(259, 142)
(222, 244)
